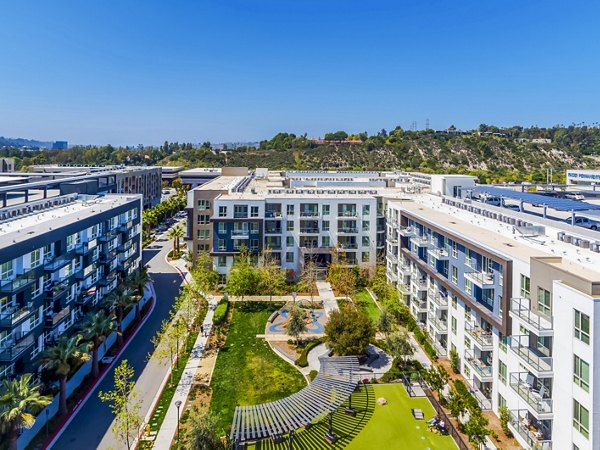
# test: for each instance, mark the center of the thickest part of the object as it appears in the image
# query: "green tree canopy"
(349, 331)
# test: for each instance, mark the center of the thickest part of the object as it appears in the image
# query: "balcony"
(404, 270)
(125, 227)
(54, 292)
(309, 230)
(535, 394)
(17, 283)
(108, 236)
(124, 246)
(538, 363)
(58, 263)
(16, 347)
(309, 213)
(481, 395)
(421, 241)
(240, 234)
(419, 285)
(420, 305)
(520, 308)
(272, 230)
(15, 315)
(440, 254)
(348, 245)
(106, 258)
(53, 319)
(403, 289)
(481, 367)
(533, 434)
(484, 280)
(393, 277)
(439, 348)
(347, 230)
(440, 300)
(392, 239)
(482, 338)
(272, 214)
(440, 325)
(347, 213)
(407, 232)
(86, 247)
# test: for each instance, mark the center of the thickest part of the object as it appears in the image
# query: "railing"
(18, 347)
(273, 231)
(531, 356)
(480, 278)
(522, 383)
(421, 241)
(420, 304)
(393, 276)
(407, 231)
(309, 213)
(244, 232)
(17, 283)
(535, 438)
(420, 284)
(440, 300)
(480, 336)
(404, 269)
(272, 214)
(484, 402)
(439, 324)
(57, 263)
(482, 368)
(347, 213)
(309, 230)
(8, 319)
(440, 349)
(348, 245)
(438, 253)
(452, 431)
(347, 230)
(57, 290)
(55, 318)
(521, 307)
(392, 258)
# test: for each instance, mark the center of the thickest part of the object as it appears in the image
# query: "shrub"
(504, 418)
(221, 312)
(454, 360)
(302, 360)
(313, 374)
(421, 337)
(470, 401)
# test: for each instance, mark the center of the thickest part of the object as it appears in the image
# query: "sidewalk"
(326, 294)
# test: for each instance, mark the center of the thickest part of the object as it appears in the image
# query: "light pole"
(178, 405)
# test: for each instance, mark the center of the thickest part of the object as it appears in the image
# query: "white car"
(575, 196)
(583, 222)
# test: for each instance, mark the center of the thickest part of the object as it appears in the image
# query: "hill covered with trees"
(492, 153)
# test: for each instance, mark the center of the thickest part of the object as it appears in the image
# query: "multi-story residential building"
(296, 215)
(516, 300)
(59, 257)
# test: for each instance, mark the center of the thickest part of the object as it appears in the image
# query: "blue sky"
(130, 72)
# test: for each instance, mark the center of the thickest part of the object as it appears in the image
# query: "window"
(525, 286)
(325, 210)
(365, 256)
(467, 312)
(325, 241)
(240, 211)
(501, 276)
(582, 327)
(454, 302)
(544, 301)
(203, 234)
(501, 401)
(453, 325)
(222, 228)
(253, 227)
(581, 373)
(454, 274)
(366, 241)
(203, 247)
(467, 371)
(325, 225)
(253, 244)
(468, 343)
(468, 287)
(502, 370)
(222, 261)
(72, 241)
(6, 270)
(203, 205)
(203, 219)
(222, 211)
(581, 419)
(366, 225)
(289, 241)
(503, 342)
(254, 211)
(290, 225)
(290, 210)
(289, 257)
(432, 260)
(222, 245)
(366, 210)
(35, 258)
(454, 248)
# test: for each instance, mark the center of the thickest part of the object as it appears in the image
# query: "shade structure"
(336, 381)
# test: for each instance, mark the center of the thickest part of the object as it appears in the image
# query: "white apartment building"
(517, 297)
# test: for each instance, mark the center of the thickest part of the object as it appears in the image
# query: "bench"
(330, 438)
(418, 413)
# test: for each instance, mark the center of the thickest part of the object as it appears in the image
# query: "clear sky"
(130, 72)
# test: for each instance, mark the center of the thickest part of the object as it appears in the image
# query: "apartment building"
(516, 301)
(59, 257)
(296, 215)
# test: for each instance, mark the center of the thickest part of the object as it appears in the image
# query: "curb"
(71, 415)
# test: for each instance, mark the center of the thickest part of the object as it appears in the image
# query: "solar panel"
(559, 204)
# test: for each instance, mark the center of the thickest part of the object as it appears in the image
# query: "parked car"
(584, 222)
(575, 196)
(513, 207)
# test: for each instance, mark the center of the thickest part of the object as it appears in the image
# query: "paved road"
(93, 420)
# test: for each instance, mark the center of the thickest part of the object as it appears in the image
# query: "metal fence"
(452, 431)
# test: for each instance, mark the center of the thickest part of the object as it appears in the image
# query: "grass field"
(367, 304)
(247, 371)
(375, 427)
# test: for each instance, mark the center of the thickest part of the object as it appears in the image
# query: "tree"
(456, 404)
(400, 347)
(124, 404)
(243, 277)
(454, 360)
(476, 428)
(176, 233)
(296, 324)
(119, 300)
(138, 281)
(201, 432)
(385, 322)
(204, 274)
(60, 359)
(437, 378)
(349, 331)
(342, 277)
(96, 327)
(504, 419)
(309, 277)
(272, 277)
(20, 400)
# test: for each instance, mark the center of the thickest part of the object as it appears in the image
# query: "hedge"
(313, 374)
(422, 338)
(221, 312)
(463, 391)
(302, 360)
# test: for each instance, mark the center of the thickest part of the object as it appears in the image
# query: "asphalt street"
(89, 427)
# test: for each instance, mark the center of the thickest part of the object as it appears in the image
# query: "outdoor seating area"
(315, 319)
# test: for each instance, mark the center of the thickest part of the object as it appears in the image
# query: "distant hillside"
(21, 142)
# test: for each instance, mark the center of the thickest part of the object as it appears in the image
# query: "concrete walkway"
(168, 428)
(326, 294)
(419, 354)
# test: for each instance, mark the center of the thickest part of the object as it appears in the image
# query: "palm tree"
(176, 233)
(138, 281)
(96, 328)
(61, 358)
(19, 402)
(119, 300)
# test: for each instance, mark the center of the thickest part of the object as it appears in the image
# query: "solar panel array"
(336, 381)
(559, 204)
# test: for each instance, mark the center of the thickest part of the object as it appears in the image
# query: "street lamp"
(178, 405)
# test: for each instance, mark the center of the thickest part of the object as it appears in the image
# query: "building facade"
(516, 301)
(59, 258)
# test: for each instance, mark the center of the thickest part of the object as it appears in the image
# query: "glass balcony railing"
(407, 232)
(16, 346)
(347, 230)
(539, 362)
(440, 299)
(421, 241)
(17, 283)
(393, 276)
(481, 337)
(534, 393)
(481, 367)
(15, 315)
(440, 254)
(440, 325)
(521, 308)
(481, 279)
(535, 435)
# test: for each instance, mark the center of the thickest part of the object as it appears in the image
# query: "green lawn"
(367, 304)
(247, 371)
(375, 427)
